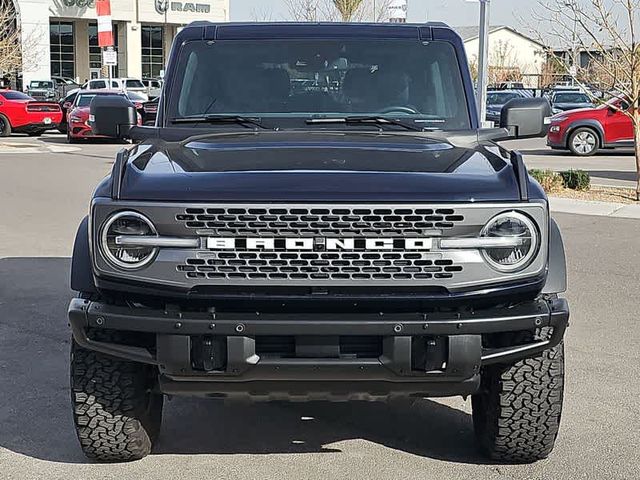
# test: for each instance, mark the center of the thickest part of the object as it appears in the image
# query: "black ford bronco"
(317, 214)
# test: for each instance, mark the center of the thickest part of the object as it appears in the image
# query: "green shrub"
(576, 179)
(549, 180)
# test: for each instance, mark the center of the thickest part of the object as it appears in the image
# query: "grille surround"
(171, 265)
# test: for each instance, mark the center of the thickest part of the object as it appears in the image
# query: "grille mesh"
(319, 266)
(308, 222)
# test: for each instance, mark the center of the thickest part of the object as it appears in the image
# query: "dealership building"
(60, 37)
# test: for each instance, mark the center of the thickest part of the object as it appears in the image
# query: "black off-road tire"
(516, 414)
(116, 412)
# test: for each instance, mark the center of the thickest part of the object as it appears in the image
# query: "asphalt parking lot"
(45, 186)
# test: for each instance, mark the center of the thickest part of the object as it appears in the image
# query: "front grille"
(308, 222)
(319, 266)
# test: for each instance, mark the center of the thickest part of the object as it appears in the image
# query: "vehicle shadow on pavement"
(425, 428)
(35, 411)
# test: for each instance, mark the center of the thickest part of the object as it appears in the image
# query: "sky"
(453, 12)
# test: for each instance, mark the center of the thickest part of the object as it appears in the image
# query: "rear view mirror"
(112, 116)
(526, 117)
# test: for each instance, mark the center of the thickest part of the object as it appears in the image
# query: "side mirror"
(112, 116)
(526, 117)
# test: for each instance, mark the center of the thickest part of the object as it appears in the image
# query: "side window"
(97, 84)
(114, 84)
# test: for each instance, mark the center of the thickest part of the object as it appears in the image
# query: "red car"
(78, 126)
(21, 113)
(587, 130)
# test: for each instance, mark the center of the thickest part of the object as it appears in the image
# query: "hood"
(588, 112)
(317, 166)
(572, 106)
(81, 111)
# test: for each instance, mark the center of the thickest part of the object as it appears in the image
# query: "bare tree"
(306, 10)
(348, 8)
(12, 45)
(262, 14)
(606, 33)
(338, 10)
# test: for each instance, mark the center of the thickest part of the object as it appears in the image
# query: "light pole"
(483, 61)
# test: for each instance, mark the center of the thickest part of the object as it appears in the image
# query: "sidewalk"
(601, 209)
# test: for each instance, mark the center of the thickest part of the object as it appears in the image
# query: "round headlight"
(521, 242)
(125, 255)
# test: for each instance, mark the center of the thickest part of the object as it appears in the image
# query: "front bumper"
(244, 371)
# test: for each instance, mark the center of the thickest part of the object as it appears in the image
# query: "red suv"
(587, 130)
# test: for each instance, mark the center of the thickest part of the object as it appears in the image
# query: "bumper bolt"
(240, 328)
(178, 325)
(397, 328)
(212, 326)
(99, 321)
(538, 321)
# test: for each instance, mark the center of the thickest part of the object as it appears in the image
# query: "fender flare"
(81, 266)
(586, 122)
(557, 271)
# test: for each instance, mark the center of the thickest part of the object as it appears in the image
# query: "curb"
(594, 208)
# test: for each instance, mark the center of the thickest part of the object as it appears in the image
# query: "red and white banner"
(105, 30)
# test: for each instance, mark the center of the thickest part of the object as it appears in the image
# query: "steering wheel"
(399, 109)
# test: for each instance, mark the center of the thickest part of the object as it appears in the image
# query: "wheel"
(516, 414)
(71, 139)
(117, 415)
(5, 126)
(584, 142)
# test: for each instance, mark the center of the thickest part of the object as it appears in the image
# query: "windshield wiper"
(363, 120)
(215, 118)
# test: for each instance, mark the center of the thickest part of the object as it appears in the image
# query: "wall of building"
(36, 14)
(518, 52)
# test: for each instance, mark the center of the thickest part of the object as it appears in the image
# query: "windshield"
(134, 84)
(500, 98)
(136, 97)
(36, 84)
(84, 100)
(302, 79)
(571, 98)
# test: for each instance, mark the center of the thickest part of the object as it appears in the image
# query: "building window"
(152, 50)
(62, 49)
(95, 51)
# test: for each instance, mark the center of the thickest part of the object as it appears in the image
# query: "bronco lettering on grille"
(319, 243)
